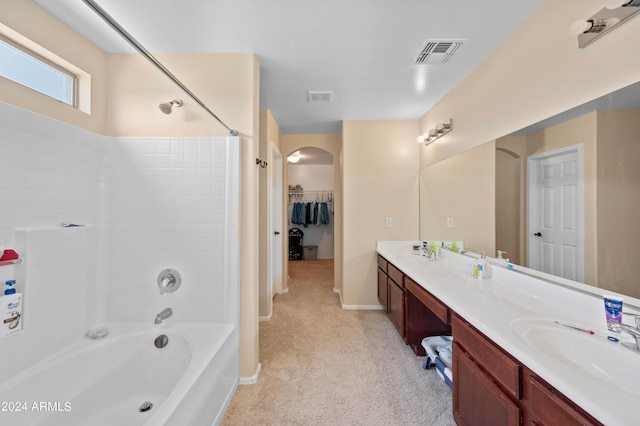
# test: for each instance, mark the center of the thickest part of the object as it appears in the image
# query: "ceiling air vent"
(437, 51)
(318, 97)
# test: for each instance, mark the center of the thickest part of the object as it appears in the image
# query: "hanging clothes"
(298, 213)
(324, 214)
(315, 217)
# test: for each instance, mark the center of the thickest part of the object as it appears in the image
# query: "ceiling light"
(438, 132)
(614, 4)
(294, 158)
(614, 15)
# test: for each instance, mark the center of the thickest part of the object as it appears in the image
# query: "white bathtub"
(104, 382)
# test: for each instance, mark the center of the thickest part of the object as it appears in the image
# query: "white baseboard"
(336, 290)
(361, 307)
(253, 379)
(266, 319)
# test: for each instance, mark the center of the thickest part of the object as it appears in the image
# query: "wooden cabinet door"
(478, 400)
(547, 407)
(383, 289)
(396, 306)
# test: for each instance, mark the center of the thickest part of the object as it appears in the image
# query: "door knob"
(537, 234)
(276, 232)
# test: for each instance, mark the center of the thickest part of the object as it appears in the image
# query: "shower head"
(166, 107)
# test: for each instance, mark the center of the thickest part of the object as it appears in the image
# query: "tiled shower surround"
(149, 204)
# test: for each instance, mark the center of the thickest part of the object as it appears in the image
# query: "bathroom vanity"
(512, 363)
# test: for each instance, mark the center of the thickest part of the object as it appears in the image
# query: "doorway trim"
(275, 199)
(533, 203)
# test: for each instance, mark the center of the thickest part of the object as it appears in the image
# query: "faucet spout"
(166, 313)
(634, 332)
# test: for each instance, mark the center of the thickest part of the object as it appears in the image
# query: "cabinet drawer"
(548, 408)
(435, 305)
(382, 263)
(502, 367)
(396, 275)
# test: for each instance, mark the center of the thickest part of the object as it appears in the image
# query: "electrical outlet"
(388, 222)
(449, 222)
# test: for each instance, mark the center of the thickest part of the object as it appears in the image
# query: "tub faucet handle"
(169, 281)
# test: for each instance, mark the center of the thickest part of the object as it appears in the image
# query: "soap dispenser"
(501, 260)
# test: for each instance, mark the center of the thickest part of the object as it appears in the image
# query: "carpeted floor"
(322, 365)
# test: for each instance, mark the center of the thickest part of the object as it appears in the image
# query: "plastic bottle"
(10, 311)
(454, 247)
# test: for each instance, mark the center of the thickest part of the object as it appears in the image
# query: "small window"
(33, 71)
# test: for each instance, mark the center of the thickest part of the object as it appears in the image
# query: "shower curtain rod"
(144, 52)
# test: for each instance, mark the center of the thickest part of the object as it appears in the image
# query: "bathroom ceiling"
(363, 51)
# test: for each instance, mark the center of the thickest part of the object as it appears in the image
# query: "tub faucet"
(166, 313)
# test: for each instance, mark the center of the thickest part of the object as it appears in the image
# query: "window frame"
(48, 63)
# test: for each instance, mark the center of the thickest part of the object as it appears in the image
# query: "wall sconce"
(294, 158)
(439, 131)
(613, 15)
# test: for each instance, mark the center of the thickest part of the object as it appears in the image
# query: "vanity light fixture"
(439, 131)
(613, 15)
(294, 158)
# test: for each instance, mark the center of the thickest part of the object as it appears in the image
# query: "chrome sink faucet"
(166, 313)
(633, 331)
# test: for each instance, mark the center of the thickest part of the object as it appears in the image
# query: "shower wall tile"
(58, 282)
(150, 203)
(166, 210)
(49, 172)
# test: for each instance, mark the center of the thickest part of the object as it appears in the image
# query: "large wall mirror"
(561, 196)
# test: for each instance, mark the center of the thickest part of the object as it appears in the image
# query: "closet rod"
(144, 52)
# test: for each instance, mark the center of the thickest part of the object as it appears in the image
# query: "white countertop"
(493, 305)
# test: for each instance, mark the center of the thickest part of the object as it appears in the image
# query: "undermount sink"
(591, 355)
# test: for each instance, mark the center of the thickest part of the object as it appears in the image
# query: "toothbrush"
(577, 328)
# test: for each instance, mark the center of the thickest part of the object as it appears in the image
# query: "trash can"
(310, 252)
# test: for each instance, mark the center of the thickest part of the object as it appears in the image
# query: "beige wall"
(31, 21)
(536, 73)
(224, 82)
(380, 179)
(462, 188)
(618, 203)
(508, 196)
(512, 198)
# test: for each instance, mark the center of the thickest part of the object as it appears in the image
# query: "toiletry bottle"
(454, 247)
(501, 260)
(433, 250)
(10, 311)
(481, 266)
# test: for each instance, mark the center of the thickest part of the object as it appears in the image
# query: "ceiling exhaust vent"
(437, 51)
(318, 97)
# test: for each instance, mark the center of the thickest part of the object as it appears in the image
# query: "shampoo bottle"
(10, 311)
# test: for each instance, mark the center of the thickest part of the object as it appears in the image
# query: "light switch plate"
(449, 222)
(388, 222)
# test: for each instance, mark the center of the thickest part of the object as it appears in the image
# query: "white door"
(276, 223)
(556, 213)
